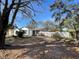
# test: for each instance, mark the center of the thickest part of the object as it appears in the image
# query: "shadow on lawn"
(42, 51)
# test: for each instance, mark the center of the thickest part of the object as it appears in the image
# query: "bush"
(20, 34)
(69, 41)
(57, 36)
(41, 34)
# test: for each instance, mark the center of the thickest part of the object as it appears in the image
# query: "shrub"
(20, 33)
(69, 41)
(57, 36)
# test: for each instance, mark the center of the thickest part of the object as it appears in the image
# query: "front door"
(34, 32)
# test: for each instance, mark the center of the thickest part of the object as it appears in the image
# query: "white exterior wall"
(28, 32)
(10, 33)
(50, 34)
(15, 32)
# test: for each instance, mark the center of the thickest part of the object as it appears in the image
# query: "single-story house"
(10, 32)
(36, 31)
(28, 32)
(50, 34)
(15, 33)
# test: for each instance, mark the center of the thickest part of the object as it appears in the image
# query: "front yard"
(38, 48)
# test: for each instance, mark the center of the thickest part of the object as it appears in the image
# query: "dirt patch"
(26, 40)
(40, 52)
(14, 54)
(54, 50)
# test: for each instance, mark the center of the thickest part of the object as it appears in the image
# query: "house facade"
(10, 32)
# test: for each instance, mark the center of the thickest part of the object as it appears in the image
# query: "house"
(10, 32)
(36, 31)
(31, 32)
(15, 32)
(50, 34)
(27, 32)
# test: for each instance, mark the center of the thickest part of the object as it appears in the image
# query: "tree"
(24, 6)
(71, 11)
(48, 25)
(33, 24)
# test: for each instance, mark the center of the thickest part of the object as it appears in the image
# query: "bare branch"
(29, 15)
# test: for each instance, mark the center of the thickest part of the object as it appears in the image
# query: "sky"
(43, 15)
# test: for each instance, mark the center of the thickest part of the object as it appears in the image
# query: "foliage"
(20, 6)
(33, 24)
(9, 9)
(20, 33)
(56, 36)
(69, 11)
(63, 7)
(48, 25)
(69, 41)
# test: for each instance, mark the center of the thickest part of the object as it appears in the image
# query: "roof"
(39, 29)
(73, 30)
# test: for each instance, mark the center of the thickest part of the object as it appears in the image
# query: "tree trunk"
(4, 22)
(14, 16)
(77, 35)
(2, 32)
(15, 13)
(3, 28)
(2, 35)
(2, 39)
